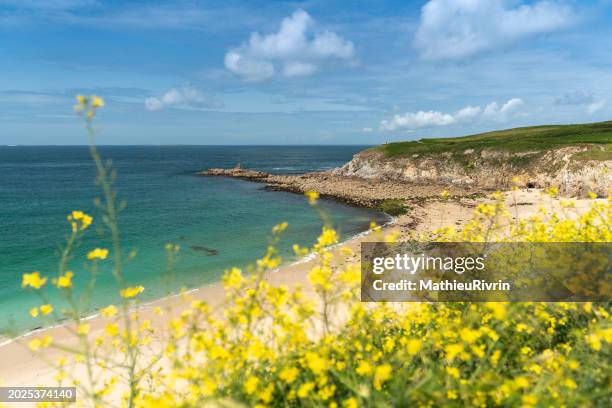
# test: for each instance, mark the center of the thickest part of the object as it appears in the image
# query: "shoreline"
(4, 341)
(357, 191)
(22, 368)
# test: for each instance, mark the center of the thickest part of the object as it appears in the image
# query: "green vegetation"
(600, 153)
(526, 139)
(393, 207)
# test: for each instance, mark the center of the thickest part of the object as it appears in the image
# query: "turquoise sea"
(166, 202)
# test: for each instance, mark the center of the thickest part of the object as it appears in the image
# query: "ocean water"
(165, 202)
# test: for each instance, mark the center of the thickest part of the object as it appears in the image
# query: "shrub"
(393, 207)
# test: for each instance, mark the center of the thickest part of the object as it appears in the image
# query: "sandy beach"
(20, 367)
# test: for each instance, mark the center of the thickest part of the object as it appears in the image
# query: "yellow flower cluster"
(312, 197)
(79, 220)
(33, 280)
(97, 253)
(271, 345)
(131, 292)
(64, 281)
(319, 346)
(88, 105)
(44, 310)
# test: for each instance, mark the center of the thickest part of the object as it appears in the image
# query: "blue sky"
(300, 72)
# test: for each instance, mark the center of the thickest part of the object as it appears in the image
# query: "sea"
(217, 222)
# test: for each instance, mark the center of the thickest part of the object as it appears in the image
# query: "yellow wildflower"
(233, 279)
(277, 229)
(131, 291)
(498, 309)
(250, 385)
(469, 335)
(46, 309)
(312, 196)
(64, 281)
(495, 357)
(569, 383)
(34, 312)
(305, 389)
(79, 220)
(38, 343)
(83, 329)
(529, 400)
(266, 394)
(381, 374)
(315, 363)
(521, 382)
(452, 350)
(453, 372)
(364, 368)
(111, 330)
(96, 102)
(350, 403)
(97, 253)
(594, 341)
(327, 237)
(109, 311)
(413, 346)
(552, 191)
(33, 280)
(288, 374)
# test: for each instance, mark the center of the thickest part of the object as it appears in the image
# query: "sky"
(299, 72)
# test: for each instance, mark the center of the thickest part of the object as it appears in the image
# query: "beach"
(20, 367)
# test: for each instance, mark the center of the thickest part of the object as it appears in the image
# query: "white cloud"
(429, 119)
(367, 130)
(420, 119)
(299, 69)
(493, 112)
(297, 49)
(183, 97)
(468, 112)
(460, 28)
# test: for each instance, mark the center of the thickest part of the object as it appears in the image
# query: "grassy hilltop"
(596, 137)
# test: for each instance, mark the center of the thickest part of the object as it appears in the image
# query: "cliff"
(575, 158)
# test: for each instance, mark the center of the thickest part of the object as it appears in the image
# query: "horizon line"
(179, 145)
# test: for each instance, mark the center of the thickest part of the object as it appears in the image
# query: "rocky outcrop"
(574, 174)
(353, 190)
(236, 172)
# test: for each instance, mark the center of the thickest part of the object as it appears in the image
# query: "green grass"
(600, 153)
(393, 207)
(534, 138)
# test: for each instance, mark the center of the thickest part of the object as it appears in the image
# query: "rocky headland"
(576, 159)
(355, 190)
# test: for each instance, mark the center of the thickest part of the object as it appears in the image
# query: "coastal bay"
(217, 223)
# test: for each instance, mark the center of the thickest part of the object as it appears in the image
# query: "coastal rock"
(563, 168)
(353, 190)
(236, 172)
